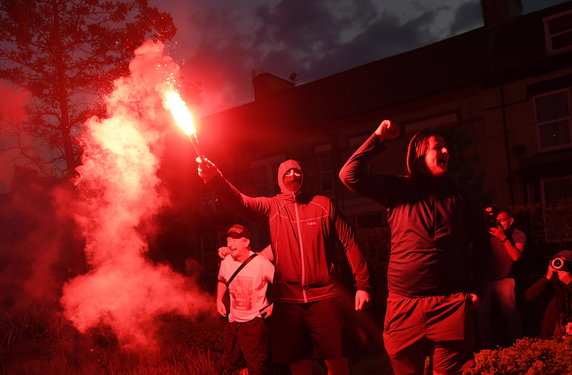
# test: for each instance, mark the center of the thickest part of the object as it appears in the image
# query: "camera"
(491, 216)
(560, 264)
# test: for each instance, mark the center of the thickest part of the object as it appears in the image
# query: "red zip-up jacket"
(303, 233)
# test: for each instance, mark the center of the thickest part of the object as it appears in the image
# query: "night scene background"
(108, 238)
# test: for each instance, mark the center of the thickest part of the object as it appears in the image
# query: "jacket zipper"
(303, 264)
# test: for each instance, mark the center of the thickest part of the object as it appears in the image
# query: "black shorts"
(311, 330)
(246, 345)
(436, 326)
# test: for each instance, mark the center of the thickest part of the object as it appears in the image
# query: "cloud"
(224, 41)
(468, 16)
(343, 40)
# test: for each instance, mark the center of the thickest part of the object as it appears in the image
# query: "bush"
(527, 356)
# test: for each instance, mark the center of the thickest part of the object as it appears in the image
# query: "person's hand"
(550, 272)
(564, 276)
(498, 233)
(362, 299)
(221, 308)
(474, 300)
(206, 169)
(266, 312)
(223, 251)
(387, 131)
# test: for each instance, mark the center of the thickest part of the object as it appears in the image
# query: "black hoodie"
(304, 229)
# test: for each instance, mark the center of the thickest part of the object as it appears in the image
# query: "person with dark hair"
(556, 286)
(436, 226)
(245, 276)
(307, 319)
(507, 245)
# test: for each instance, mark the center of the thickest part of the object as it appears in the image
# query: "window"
(558, 32)
(557, 197)
(261, 181)
(326, 173)
(210, 204)
(326, 165)
(264, 174)
(210, 242)
(552, 113)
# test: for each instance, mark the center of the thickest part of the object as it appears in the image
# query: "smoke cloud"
(120, 194)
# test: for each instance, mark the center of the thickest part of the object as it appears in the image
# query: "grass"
(41, 341)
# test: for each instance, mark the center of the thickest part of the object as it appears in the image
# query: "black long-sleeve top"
(559, 305)
(434, 222)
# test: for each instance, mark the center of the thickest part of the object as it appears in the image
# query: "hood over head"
(282, 169)
(566, 254)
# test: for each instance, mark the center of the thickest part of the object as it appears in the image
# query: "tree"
(67, 53)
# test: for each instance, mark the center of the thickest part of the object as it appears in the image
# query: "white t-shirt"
(248, 289)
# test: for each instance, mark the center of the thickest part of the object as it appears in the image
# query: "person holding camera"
(507, 245)
(557, 286)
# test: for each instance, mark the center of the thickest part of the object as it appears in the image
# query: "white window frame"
(270, 165)
(320, 151)
(539, 124)
(549, 37)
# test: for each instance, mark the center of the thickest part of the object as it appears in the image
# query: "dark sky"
(220, 42)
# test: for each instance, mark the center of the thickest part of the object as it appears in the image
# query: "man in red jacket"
(307, 319)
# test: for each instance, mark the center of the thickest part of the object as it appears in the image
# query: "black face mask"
(292, 183)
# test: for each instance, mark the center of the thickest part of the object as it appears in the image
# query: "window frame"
(549, 37)
(538, 123)
(325, 150)
(546, 208)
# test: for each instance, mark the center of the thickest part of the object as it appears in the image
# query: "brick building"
(501, 93)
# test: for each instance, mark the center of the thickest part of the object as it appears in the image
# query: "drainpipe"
(506, 147)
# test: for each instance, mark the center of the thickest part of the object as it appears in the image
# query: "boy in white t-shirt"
(246, 336)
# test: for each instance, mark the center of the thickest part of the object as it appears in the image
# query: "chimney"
(266, 84)
(500, 12)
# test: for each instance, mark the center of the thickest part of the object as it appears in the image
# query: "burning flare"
(183, 117)
(180, 112)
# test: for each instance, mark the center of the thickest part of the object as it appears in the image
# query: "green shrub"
(527, 356)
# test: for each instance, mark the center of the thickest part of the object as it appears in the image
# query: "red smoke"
(119, 196)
